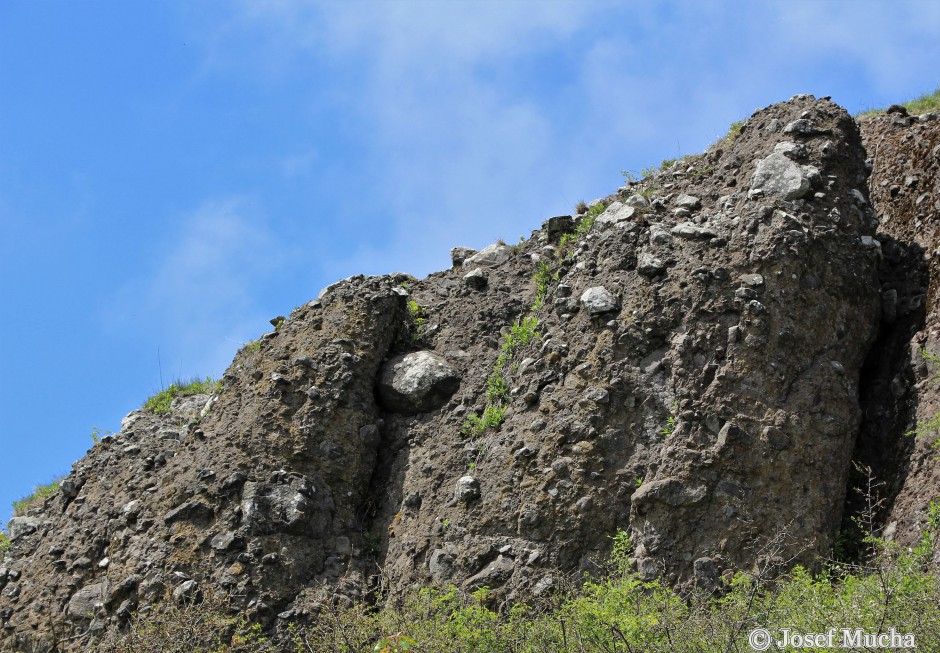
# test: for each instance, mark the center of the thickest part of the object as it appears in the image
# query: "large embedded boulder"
(417, 382)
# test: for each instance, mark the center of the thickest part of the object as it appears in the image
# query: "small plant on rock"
(492, 418)
(543, 277)
(160, 402)
(40, 494)
(416, 322)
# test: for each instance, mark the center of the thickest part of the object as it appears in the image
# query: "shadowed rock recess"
(685, 363)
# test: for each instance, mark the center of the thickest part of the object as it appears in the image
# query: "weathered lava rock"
(692, 378)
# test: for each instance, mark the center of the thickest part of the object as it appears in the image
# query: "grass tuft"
(40, 494)
(925, 103)
(160, 402)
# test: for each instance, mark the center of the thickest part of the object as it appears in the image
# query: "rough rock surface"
(902, 394)
(707, 402)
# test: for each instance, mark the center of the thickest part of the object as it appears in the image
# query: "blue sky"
(173, 174)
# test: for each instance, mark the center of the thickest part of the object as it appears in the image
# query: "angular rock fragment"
(597, 300)
(489, 256)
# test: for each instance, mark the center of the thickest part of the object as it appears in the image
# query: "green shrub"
(584, 226)
(521, 333)
(160, 402)
(415, 324)
(543, 277)
(493, 417)
(40, 494)
(497, 387)
(615, 612)
(202, 626)
(4, 542)
(97, 434)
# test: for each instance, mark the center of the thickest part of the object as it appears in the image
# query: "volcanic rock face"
(693, 379)
(902, 398)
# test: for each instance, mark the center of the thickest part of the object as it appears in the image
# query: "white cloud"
(462, 156)
(201, 292)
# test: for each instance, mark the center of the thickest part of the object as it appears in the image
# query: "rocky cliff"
(696, 360)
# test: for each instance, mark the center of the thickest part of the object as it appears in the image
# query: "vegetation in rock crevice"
(160, 402)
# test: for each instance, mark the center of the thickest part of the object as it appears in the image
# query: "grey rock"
(223, 541)
(647, 569)
(193, 511)
(460, 254)
(668, 491)
(476, 278)
(801, 127)
(131, 509)
(584, 504)
(86, 601)
(705, 572)
(493, 575)
(71, 486)
(370, 435)
(688, 202)
(778, 175)
(871, 243)
(441, 565)
(20, 526)
(544, 585)
(597, 300)
(616, 214)
(233, 481)
(417, 382)
(558, 226)
(126, 610)
(292, 505)
(659, 235)
(637, 201)
(692, 231)
(468, 489)
(649, 265)
(597, 396)
(489, 256)
(791, 149)
(186, 591)
(752, 280)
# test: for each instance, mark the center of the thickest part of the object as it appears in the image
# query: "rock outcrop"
(689, 370)
(898, 441)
